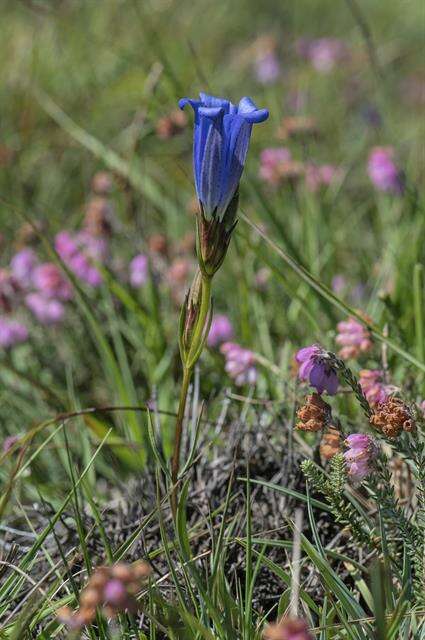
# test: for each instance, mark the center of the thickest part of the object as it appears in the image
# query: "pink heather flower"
(115, 593)
(22, 266)
(339, 284)
(288, 629)
(323, 53)
(361, 452)
(353, 338)
(317, 176)
(95, 247)
(316, 368)
(371, 382)
(270, 161)
(49, 281)
(12, 333)
(221, 330)
(267, 68)
(240, 363)
(384, 172)
(422, 407)
(68, 248)
(9, 442)
(48, 311)
(139, 270)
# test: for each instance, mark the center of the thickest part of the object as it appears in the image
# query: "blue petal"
(237, 134)
(210, 166)
(195, 104)
(213, 101)
(249, 111)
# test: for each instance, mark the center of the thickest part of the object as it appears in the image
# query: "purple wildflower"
(68, 248)
(9, 442)
(48, 311)
(316, 368)
(139, 270)
(240, 363)
(50, 282)
(318, 176)
(353, 337)
(384, 172)
(371, 382)
(267, 67)
(271, 160)
(11, 333)
(323, 53)
(362, 451)
(22, 266)
(221, 330)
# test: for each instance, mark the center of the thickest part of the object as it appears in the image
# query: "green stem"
(175, 464)
(190, 361)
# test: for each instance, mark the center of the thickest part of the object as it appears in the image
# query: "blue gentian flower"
(220, 144)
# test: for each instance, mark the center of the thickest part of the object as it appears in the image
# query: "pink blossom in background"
(270, 160)
(48, 311)
(9, 442)
(49, 280)
(361, 452)
(69, 250)
(267, 67)
(339, 284)
(240, 363)
(383, 171)
(317, 176)
(221, 330)
(371, 382)
(323, 53)
(139, 270)
(22, 266)
(12, 333)
(422, 406)
(353, 338)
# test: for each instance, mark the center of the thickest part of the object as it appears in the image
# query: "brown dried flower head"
(331, 443)
(111, 588)
(171, 125)
(314, 415)
(297, 127)
(288, 629)
(392, 417)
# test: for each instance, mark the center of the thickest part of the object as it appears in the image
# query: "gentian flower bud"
(221, 139)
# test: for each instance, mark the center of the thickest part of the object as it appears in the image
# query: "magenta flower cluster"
(361, 452)
(316, 368)
(78, 252)
(221, 330)
(383, 171)
(324, 54)
(353, 338)
(373, 386)
(240, 363)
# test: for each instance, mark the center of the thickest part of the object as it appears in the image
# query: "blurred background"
(91, 140)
